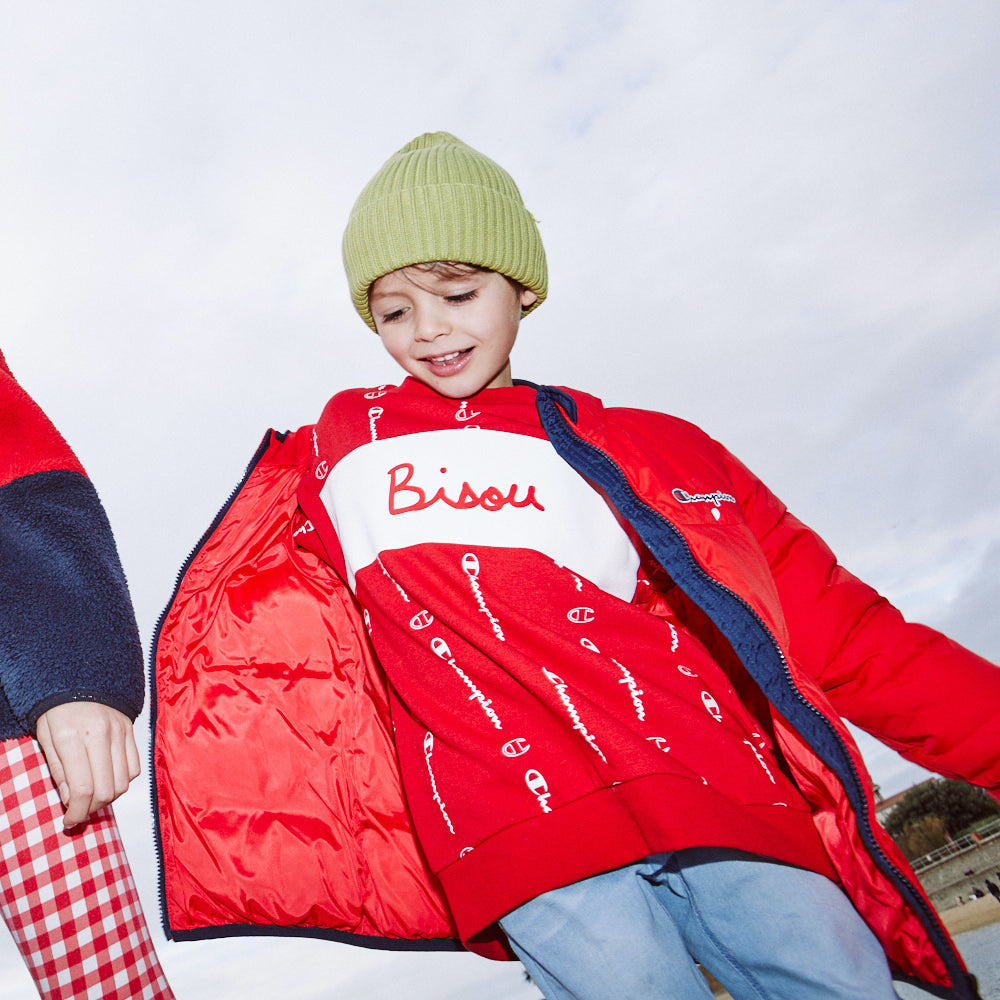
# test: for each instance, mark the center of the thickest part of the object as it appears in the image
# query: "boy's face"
(455, 334)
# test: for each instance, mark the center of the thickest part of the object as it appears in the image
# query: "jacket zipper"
(947, 952)
(154, 642)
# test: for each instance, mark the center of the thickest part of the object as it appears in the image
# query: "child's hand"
(91, 753)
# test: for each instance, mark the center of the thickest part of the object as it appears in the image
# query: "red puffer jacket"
(277, 794)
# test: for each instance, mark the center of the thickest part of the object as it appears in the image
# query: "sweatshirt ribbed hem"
(614, 827)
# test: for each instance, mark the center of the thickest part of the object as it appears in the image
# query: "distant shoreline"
(974, 914)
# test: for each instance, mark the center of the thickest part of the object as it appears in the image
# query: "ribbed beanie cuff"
(439, 199)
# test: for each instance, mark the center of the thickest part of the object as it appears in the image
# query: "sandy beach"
(976, 913)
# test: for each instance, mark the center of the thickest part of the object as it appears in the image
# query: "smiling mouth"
(446, 363)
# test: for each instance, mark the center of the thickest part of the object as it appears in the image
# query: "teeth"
(446, 357)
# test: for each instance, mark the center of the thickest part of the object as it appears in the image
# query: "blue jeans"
(765, 930)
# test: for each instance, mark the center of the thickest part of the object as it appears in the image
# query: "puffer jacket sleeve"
(67, 628)
(911, 687)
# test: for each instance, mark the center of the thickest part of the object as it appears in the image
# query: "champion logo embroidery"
(377, 392)
(422, 619)
(440, 648)
(581, 616)
(682, 496)
(405, 496)
(686, 671)
(389, 577)
(463, 413)
(471, 566)
(674, 638)
(659, 741)
(515, 748)
(368, 620)
(761, 761)
(304, 529)
(562, 690)
(315, 441)
(587, 644)
(539, 787)
(322, 470)
(428, 753)
(711, 706)
(633, 689)
(373, 414)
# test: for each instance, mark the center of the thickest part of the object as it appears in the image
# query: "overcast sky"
(780, 220)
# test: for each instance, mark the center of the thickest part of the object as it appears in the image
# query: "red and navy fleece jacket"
(67, 628)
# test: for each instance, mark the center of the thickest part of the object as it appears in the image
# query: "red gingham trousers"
(69, 898)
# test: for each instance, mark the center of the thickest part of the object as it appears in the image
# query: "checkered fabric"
(69, 898)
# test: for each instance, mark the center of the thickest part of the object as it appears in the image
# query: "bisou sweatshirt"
(548, 725)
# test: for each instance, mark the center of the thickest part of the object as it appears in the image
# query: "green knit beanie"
(439, 199)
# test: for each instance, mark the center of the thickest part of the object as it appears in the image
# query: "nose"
(431, 322)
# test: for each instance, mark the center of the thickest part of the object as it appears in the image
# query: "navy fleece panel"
(67, 628)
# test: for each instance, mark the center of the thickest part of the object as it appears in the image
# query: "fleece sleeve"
(67, 628)
(911, 687)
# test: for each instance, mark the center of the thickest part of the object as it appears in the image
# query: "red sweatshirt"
(547, 727)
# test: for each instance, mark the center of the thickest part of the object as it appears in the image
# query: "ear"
(528, 298)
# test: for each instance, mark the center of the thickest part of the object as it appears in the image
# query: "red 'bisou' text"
(405, 496)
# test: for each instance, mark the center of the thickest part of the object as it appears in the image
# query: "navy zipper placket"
(930, 919)
(185, 566)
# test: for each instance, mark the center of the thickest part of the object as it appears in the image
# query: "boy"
(608, 665)
(70, 687)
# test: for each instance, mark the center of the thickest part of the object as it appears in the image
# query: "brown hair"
(448, 269)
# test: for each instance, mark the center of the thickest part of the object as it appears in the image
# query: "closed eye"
(462, 296)
(392, 315)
